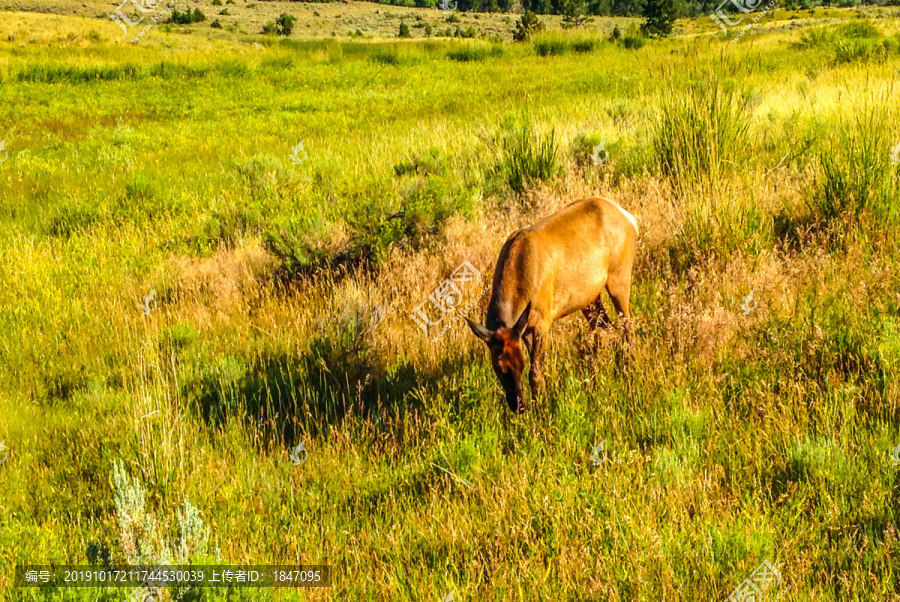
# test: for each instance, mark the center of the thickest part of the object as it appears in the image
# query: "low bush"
(583, 46)
(855, 170)
(284, 24)
(474, 53)
(187, 17)
(527, 26)
(525, 161)
(550, 47)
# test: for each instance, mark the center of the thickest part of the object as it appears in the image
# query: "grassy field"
(732, 436)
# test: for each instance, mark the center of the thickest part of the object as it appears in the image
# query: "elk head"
(507, 356)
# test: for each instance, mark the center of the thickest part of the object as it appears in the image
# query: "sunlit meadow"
(284, 288)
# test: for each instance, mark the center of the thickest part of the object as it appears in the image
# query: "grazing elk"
(548, 271)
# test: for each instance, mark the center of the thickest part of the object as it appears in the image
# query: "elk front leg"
(537, 350)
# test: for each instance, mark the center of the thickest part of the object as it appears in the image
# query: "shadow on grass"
(287, 396)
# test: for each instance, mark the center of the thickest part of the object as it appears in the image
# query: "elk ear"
(522, 322)
(480, 331)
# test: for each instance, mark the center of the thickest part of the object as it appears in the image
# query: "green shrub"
(660, 17)
(453, 18)
(216, 3)
(583, 148)
(225, 12)
(858, 41)
(525, 162)
(269, 28)
(141, 188)
(474, 53)
(300, 246)
(815, 37)
(285, 24)
(575, 14)
(621, 112)
(583, 46)
(464, 33)
(701, 131)
(72, 218)
(178, 337)
(855, 176)
(550, 47)
(225, 227)
(386, 56)
(818, 460)
(634, 40)
(187, 17)
(857, 50)
(700, 138)
(431, 162)
(215, 24)
(527, 26)
(404, 31)
(858, 30)
(422, 213)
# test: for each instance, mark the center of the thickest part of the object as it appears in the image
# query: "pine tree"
(528, 25)
(660, 15)
(575, 14)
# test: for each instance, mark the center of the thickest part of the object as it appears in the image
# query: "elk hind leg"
(596, 314)
(619, 290)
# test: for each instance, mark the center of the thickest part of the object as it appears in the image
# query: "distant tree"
(188, 16)
(575, 14)
(529, 24)
(285, 24)
(487, 6)
(404, 31)
(538, 6)
(626, 8)
(660, 15)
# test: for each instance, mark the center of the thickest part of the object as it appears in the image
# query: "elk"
(548, 271)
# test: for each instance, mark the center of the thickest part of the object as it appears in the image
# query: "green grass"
(732, 438)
